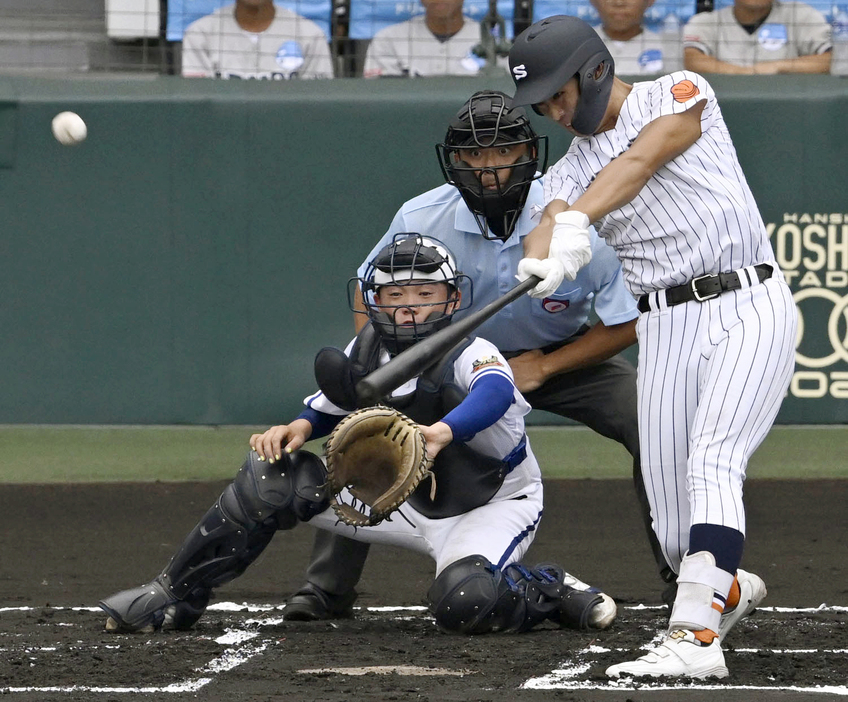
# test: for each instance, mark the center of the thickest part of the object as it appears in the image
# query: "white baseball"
(69, 128)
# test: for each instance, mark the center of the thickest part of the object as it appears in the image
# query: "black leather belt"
(706, 287)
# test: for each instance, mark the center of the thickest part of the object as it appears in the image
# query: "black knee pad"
(288, 491)
(471, 596)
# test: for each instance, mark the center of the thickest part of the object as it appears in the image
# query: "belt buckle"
(702, 298)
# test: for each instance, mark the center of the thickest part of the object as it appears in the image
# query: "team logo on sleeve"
(684, 91)
(482, 363)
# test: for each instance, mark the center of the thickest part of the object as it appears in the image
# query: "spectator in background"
(437, 43)
(255, 39)
(758, 37)
(636, 49)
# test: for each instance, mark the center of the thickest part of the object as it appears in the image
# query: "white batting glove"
(570, 242)
(550, 270)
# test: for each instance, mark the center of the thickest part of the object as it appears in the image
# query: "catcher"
(474, 487)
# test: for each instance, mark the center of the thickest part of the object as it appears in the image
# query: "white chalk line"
(565, 677)
(562, 678)
(231, 658)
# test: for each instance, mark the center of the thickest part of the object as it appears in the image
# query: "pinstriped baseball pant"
(711, 379)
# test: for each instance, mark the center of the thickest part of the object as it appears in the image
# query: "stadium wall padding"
(185, 263)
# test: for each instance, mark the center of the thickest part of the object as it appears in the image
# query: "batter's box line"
(243, 650)
(246, 648)
(566, 677)
(256, 607)
(229, 659)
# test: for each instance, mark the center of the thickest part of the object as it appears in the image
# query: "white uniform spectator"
(636, 49)
(255, 39)
(758, 36)
(437, 43)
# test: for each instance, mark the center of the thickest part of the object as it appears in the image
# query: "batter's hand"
(527, 371)
(570, 242)
(550, 270)
(285, 437)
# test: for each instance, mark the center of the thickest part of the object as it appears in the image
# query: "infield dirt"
(69, 545)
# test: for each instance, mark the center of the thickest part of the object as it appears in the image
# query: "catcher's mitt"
(379, 455)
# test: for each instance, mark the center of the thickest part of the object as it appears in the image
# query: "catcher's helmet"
(487, 120)
(552, 51)
(411, 259)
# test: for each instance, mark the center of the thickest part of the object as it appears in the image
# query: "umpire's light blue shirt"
(527, 323)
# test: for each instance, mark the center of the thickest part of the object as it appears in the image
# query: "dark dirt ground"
(70, 545)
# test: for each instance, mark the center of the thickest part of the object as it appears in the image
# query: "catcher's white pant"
(501, 530)
(711, 379)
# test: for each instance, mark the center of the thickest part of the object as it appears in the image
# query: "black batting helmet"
(549, 53)
(488, 119)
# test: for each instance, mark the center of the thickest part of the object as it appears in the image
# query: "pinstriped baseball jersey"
(711, 374)
(696, 215)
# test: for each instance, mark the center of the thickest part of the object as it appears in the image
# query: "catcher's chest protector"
(465, 478)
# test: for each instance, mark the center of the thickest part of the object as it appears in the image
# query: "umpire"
(490, 159)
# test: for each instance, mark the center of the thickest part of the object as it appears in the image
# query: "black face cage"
(499, 208)
(404, 258)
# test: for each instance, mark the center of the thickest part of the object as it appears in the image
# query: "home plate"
(386, 670)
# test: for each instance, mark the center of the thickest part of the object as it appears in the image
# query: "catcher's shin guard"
(263, 499)
(551, 593)
(472, 596)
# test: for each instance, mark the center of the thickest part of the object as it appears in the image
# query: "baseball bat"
(416, 359)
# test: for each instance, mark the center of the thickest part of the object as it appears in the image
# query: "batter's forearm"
(614, 187)
(537, 243)
(622, 179)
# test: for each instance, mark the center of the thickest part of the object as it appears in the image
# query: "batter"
(653, 165)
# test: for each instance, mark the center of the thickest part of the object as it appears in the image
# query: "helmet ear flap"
(595, 88)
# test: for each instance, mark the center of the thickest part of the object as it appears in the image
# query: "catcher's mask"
(489, 121)
(413, 263)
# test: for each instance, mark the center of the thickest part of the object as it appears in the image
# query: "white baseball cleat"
(752, 591)
(680, 655)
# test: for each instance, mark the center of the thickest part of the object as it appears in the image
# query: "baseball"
(69, 128)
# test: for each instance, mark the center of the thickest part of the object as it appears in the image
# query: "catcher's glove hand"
(380, 456)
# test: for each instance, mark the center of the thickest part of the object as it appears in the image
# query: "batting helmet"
(549, 53)
(411, 259)
(486, 120)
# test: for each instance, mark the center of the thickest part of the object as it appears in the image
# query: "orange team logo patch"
(485, 363)
(684, 91)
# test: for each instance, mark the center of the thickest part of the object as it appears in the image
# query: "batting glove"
(570, 242)
(550, 270)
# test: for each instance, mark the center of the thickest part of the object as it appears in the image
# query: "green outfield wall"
(185, 263)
